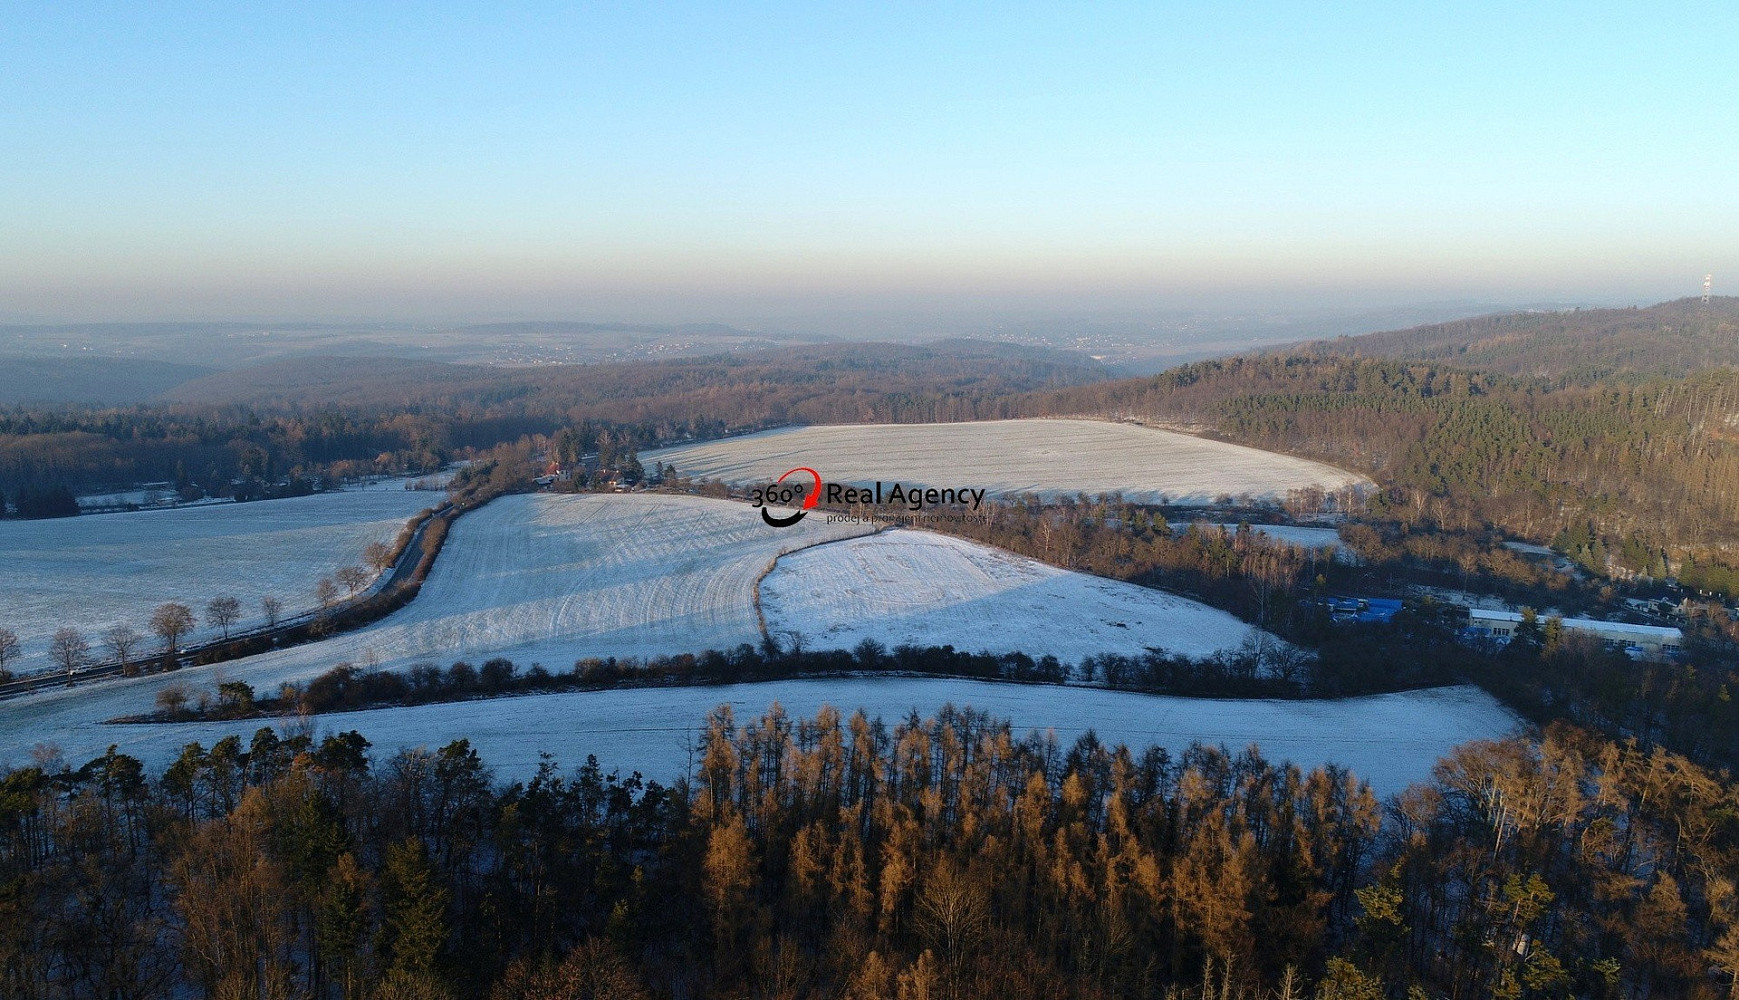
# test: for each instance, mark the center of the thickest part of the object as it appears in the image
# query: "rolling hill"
(1568, 347)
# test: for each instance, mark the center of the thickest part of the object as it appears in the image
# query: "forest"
(839, 857)
(1651, 467)
(1569, 346)
(360, 426)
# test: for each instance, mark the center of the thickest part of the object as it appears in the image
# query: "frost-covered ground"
(1302, 536)
(99, 570)
(544, 577)
(1390, 740)
(927, 589)
(558, 577)
(1010, 456)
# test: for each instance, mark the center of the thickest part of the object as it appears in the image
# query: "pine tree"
(341, 922)
(414, 928)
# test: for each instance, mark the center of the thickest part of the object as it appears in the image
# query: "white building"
(1653, 640)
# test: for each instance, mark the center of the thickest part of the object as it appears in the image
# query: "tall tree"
(414, 927)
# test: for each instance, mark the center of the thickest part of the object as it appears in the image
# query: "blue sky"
(701, 161)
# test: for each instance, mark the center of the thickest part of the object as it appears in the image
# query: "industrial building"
(1642, 640)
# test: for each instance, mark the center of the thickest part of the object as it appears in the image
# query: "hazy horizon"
(677, 164)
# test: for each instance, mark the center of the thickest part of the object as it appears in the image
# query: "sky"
(712, 161)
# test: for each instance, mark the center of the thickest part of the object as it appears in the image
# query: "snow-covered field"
(1302, 536)
(1010, 456)
(100, 570)
(1390, 740)
(138, 497)
(538, 578)
(926, 589)
(553, 578)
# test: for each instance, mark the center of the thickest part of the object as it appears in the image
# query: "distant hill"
(322, 379)
(1633, 437)
(85, 381)
(1576, 347)
(238, 345)
(803, 371)
(315, 412)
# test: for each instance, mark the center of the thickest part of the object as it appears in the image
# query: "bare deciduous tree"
(326, 592)
(172, 699)
(353, 577)
(171, 621)
(223, 612)
(378, 555)
(70, 649)
(122, 640)
(273, 610)
(8, 651)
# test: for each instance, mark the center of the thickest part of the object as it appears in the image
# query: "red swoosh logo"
(810, 497)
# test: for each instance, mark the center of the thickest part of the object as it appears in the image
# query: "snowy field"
(931, 590)
(1302, 536)
(1389, 740)
(1011, 456)
(100, 570)
(538, 578)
